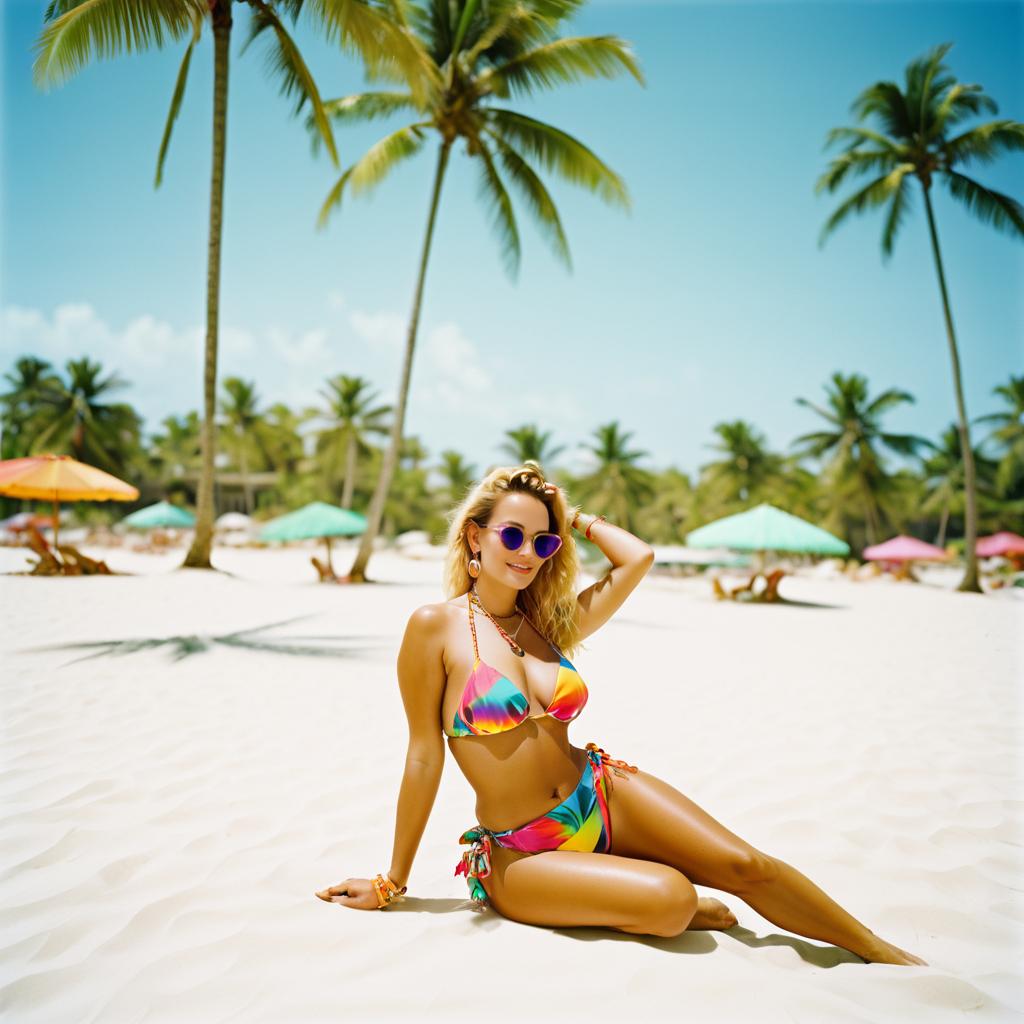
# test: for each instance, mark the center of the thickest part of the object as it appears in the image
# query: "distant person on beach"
(574, 836)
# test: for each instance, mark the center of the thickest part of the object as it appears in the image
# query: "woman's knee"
(670, 901)
(751, 867)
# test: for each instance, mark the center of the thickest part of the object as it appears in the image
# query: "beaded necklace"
(518, 651)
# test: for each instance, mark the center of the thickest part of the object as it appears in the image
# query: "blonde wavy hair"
(550, 599)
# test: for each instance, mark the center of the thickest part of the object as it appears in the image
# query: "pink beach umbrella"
(1004, 543)
(904, 549)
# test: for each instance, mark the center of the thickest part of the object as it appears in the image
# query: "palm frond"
(504, 222)
(559, 152)
(985, 142)
(537, 198)
(103, 28)
(284, 59)
(898, 207)
(381, 39)
(963, 100)
(885, 100)
(859, 161)
(364, 106)
(179, 92)
(873, 194)
(375, 164)
(559, 62)
(887, 400)
(1003, 212)
(857, 135)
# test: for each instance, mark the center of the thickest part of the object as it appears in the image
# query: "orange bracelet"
(387, 892)
(593, 523)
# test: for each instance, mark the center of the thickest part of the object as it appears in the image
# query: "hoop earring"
(474, 567)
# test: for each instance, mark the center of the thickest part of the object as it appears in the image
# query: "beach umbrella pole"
(56, 522)
(329, 566)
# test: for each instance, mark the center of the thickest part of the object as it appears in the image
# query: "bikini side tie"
(476, 862)
(616, 765)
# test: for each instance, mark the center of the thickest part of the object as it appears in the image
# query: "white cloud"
(383, 329)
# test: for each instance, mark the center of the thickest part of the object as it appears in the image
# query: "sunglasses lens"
(511, 537)
(546, 544)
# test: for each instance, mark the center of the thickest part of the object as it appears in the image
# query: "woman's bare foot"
(883, 952)
(711, 914)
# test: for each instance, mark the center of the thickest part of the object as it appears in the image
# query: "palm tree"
(31, 379)
(668, 516)
(246, 433)
(473, 54)
(457, 477)
(855, 469)
(75, 418)
(79, 29)
(943, 471)
(176, 450)
(528, 442)
(352, 417)
(914, 142)
(749, 473)
(1009, 434)
(617, 486)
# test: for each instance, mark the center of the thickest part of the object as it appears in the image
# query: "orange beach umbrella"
(60, 478)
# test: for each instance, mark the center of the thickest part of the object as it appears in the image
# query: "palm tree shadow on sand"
(183, 645)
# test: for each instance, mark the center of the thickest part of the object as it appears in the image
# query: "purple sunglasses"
(544, 544)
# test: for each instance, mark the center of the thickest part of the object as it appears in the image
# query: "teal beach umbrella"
(163, 513)
(767, 528)
(317, 519)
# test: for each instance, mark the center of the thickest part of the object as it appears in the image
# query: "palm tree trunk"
(350, 472)
(198, 556)
(246, 489)
(970, 580)
(941, 542)
(357, 574)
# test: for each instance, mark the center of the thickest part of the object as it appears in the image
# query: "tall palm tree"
(749, 473)
(78, 30)
(915, 141)
(943, 471)
(76, 418)
(476, 53)
(1009, 435)
(352, 417)
(31, 378)
(529, 442)
(855, 466)
(616, 486)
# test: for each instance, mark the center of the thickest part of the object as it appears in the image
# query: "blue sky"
(709, 301)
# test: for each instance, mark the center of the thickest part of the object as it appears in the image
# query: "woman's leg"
(567, 888)
(651, 819)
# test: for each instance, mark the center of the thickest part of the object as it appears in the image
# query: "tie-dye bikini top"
(492, 703)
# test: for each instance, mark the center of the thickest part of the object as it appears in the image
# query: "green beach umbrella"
(767, 528)
(163, 513)
(317, 519)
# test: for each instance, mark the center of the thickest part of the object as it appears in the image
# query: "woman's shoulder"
(433, 620)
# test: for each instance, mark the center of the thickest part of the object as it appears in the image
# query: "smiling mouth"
(516, 568)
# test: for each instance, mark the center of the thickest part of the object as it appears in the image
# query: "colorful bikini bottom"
(580, 822)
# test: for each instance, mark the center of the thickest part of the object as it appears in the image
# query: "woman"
(573, 836)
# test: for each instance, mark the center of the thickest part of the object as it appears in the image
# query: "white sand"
(167, 816)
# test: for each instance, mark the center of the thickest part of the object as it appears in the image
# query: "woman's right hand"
(356, 893)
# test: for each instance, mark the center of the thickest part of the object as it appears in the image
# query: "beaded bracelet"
(387, 892)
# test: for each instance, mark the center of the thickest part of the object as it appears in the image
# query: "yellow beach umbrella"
(60, 478)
